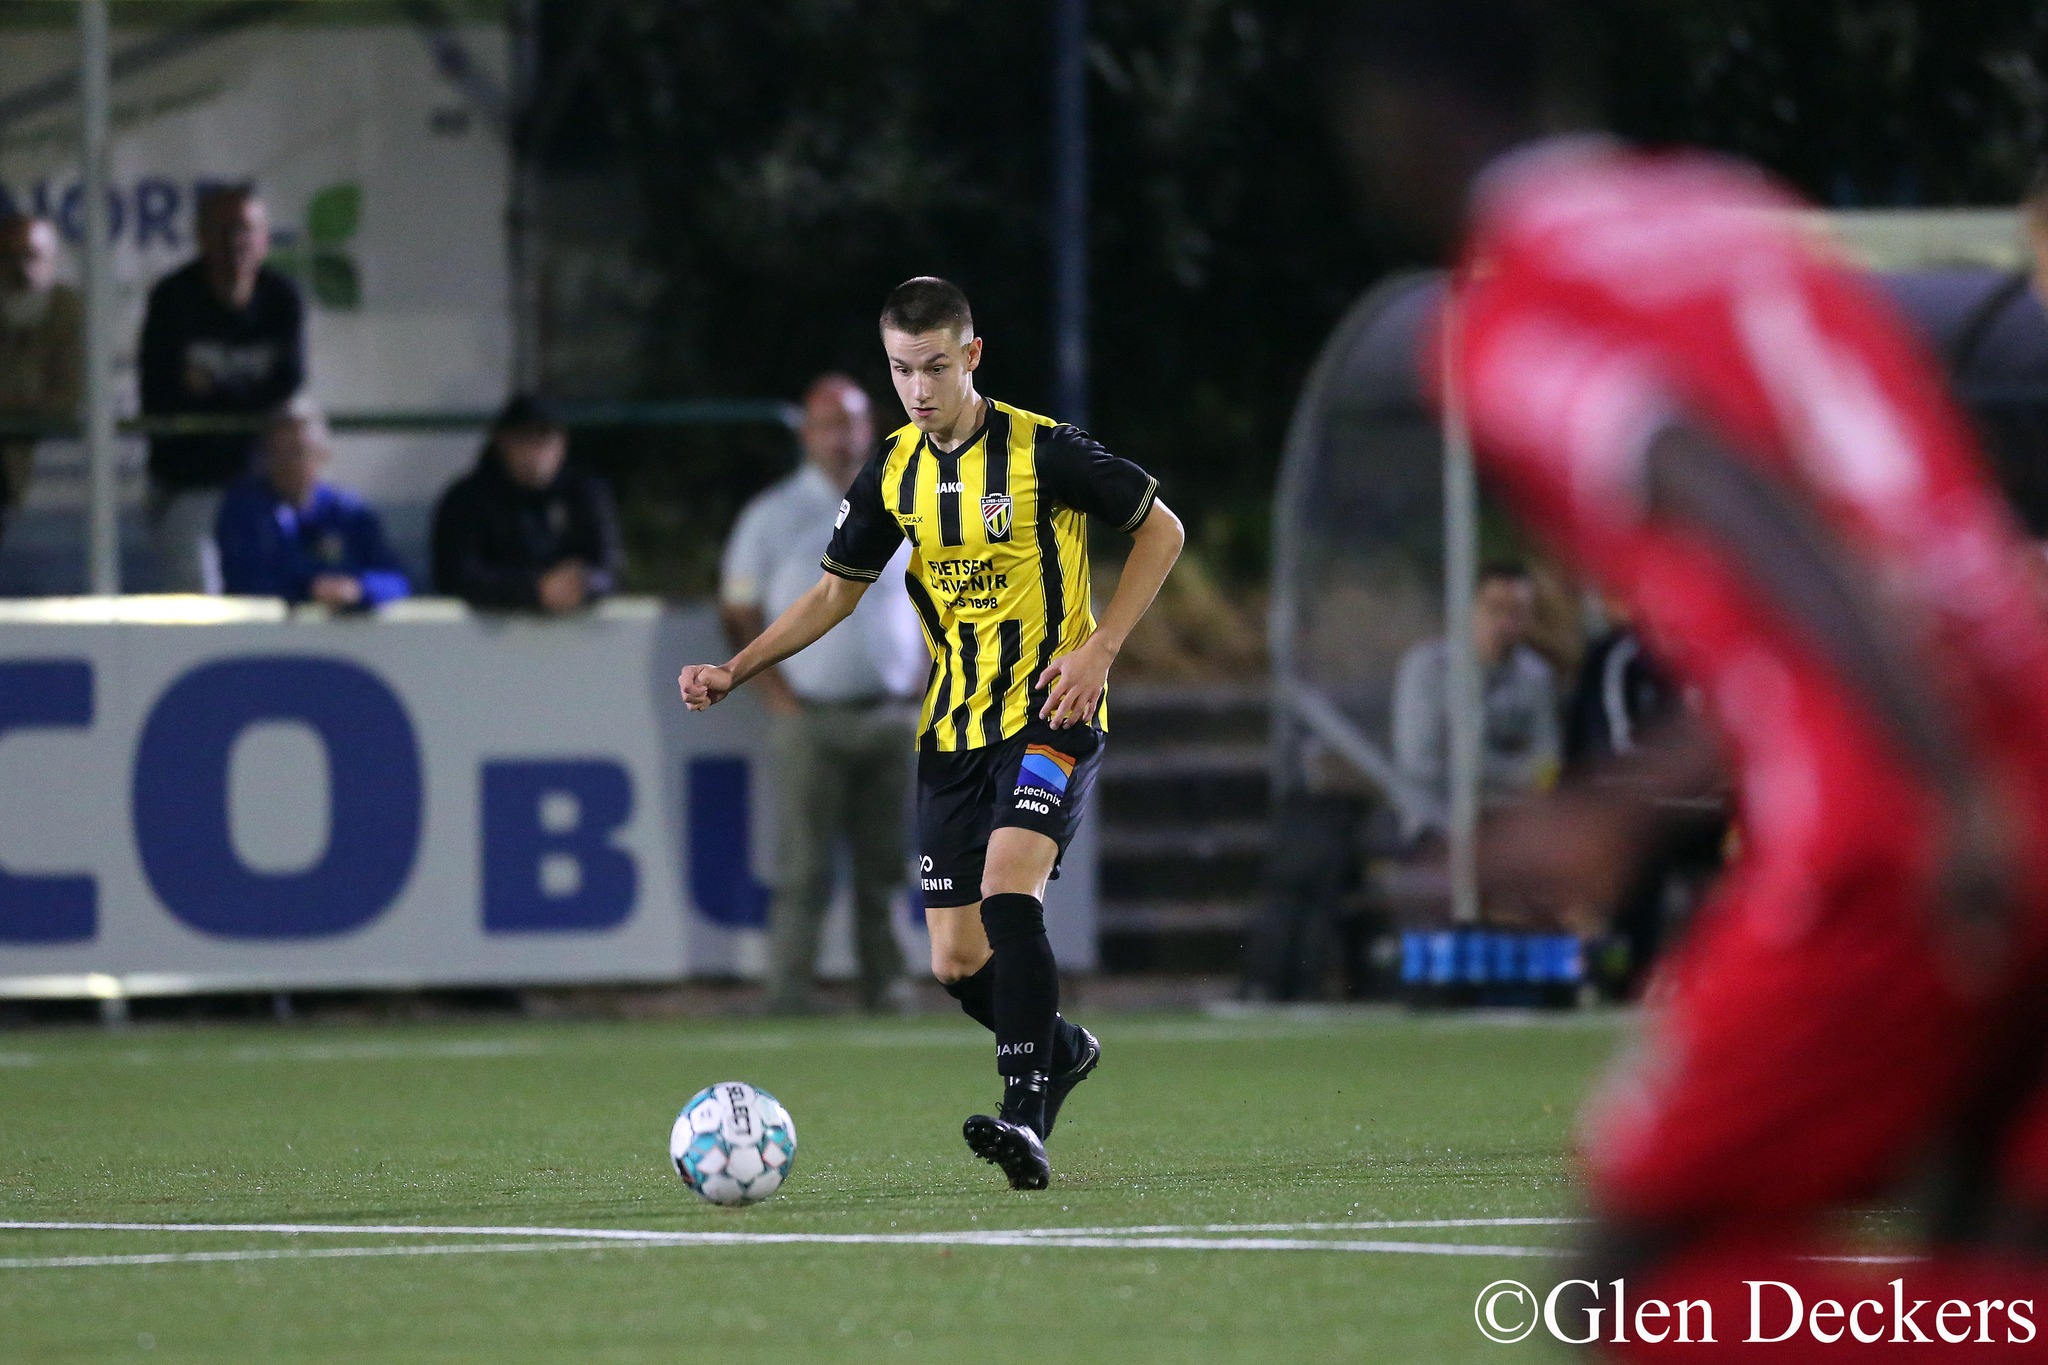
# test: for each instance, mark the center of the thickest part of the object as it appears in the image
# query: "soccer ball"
(733, 1144)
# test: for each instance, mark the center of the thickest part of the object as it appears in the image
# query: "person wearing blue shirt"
(284, 533)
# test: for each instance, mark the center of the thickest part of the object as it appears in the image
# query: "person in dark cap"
(526, 530)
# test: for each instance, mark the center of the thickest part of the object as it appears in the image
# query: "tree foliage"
(1858, 102)
(796, 158)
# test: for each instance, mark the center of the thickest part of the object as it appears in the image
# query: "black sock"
(977, 995)
(1027, 1001)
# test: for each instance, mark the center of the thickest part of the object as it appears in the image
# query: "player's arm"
(1078, 473)
(742, 574)
(1779, 540)
(828, 602)
(1776, 539)
(1074, 682)
(1576, 849)
(743, 625)
(863, 540)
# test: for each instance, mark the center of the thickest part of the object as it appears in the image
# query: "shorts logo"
(1045, 769)
(845, 507)
(995, 515)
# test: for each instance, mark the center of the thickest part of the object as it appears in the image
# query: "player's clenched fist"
(704, 685)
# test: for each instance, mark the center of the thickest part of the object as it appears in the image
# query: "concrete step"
(1209, 840)
(1184, 795)
(1184, 759)
(1188, 800)
(1184, 786)
(1207, 860)
(1143, 714)
(1167, 916)
(1239, 875)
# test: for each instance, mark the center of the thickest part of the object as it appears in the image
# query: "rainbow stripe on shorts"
(1046, 767)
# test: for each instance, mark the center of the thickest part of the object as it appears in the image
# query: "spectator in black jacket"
(224, 335)
(1623, 695)
(1620, 694)
(525, 530)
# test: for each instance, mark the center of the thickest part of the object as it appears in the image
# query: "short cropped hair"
(927, 304)
(218, 196)
(1503, 570)
(299, 408)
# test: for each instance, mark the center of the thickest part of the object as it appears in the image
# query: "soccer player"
(1730, 432)
(995, 503)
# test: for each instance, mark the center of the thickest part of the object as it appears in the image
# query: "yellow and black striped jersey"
(999, 557)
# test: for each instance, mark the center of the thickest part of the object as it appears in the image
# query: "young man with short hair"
(224, 335)
(1013, 720)
(1520, 747)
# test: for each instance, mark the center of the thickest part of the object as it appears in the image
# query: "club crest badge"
(995, 515)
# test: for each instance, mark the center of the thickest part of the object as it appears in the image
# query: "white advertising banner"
(198, 794)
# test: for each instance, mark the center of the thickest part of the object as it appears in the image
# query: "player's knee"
(951, 963)
(1006, 917)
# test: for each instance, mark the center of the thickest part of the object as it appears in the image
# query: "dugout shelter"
(1377, 523)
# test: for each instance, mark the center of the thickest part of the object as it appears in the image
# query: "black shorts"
(1037, 779)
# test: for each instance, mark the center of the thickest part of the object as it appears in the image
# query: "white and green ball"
(733, 1144)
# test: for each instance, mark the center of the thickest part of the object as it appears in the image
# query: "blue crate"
(1478, 957)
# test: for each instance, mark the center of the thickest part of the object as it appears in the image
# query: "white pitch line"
(287, 1254)
(1129, 1239)
(1276, 1244)
(662, 1235)
(1382, 1225)
(783, 1239)
(360, 1230)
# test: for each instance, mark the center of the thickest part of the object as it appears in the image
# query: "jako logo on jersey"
(952, 487)
(1045, 768)
(995, 515)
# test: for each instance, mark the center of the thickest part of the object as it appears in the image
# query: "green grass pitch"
(1192, 1121)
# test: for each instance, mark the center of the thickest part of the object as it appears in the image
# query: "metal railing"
(625, 413)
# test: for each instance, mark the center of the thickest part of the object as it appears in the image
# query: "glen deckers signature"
(1582, 1312)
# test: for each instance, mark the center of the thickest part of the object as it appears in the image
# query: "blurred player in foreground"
(994, 502)
(1731, 432)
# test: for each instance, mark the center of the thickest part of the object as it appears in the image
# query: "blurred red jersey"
(1815, 1035)
(1607, 293)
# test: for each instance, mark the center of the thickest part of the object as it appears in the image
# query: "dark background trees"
(730, 189)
